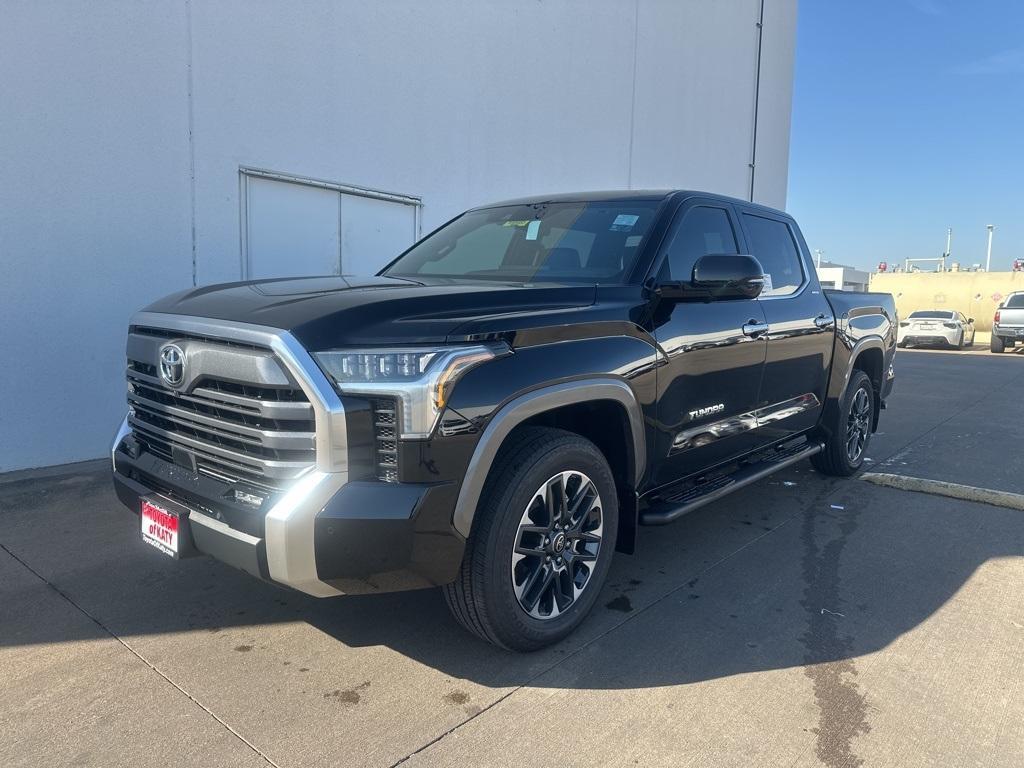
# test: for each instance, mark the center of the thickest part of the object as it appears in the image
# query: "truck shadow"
(810, 575)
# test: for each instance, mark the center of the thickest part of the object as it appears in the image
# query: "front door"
(714, 353)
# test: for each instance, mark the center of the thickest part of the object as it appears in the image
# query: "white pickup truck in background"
(1008, 323)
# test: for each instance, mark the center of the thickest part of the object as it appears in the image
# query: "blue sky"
(908, 117)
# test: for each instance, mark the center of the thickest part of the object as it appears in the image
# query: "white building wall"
(131, 121)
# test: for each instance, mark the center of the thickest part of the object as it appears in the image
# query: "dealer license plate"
(160, 528)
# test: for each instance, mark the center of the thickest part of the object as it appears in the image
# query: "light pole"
(949, 247)
(818, 252)
(988, 255)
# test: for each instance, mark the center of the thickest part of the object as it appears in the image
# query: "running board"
(673, 507)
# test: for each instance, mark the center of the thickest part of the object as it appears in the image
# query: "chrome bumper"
(289, 538)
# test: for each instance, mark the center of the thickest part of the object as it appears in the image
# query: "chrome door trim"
(705, 434)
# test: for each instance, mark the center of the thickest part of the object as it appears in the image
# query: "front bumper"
(323, 536)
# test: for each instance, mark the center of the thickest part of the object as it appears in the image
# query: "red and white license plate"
(160, 528)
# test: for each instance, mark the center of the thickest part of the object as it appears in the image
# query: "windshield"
(1015, 302)
(547, 242)
(931, 314)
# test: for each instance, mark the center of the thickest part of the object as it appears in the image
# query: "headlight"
(420, 378)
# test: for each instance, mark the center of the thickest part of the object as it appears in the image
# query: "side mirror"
(729, 276)
(970, 320)
(718, 276)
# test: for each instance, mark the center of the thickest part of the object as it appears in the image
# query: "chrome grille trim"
(268, 438)
(291, 556)
(228, 441)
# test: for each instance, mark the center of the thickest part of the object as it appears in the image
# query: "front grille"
(385, 430)
(261, 433)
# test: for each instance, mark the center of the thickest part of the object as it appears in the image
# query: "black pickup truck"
(499, 409)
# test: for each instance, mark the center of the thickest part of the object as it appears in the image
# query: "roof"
(622, 196)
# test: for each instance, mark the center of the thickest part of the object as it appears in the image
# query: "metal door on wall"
(294, 226)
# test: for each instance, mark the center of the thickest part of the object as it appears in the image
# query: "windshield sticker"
(767, 283)
(532, 229)
(624, 222)
(633, 241)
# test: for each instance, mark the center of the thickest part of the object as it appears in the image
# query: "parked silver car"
(945, 327)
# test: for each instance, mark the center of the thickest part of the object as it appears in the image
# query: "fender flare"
(842, 371)
(868, 342)
(538, 401)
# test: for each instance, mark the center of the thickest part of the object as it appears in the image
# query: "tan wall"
(976, 294)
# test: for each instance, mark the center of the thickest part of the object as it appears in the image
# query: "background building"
(976, 294)
(148, 147)
(842, 277)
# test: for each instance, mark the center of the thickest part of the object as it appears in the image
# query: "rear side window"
(772, 244)
(703, 230)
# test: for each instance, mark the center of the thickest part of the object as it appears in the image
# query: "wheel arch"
(868, 355)
(570, 405)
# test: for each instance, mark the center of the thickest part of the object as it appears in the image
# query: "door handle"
(754, 329)
(823, 321)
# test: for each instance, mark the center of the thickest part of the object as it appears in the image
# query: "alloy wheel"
(858, 425)
(557, 545)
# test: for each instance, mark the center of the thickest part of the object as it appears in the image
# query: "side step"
(673, 507)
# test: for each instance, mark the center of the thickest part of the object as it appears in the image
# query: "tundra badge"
(707, 410)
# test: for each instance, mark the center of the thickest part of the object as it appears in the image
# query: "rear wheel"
(996, 344)
(542, 542)
(844, 450)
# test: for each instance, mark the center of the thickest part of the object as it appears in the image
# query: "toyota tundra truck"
(500, 409)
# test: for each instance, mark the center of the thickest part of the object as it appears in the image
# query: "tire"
(836, 459)
(902, 345)
(960, 344)
(486, 597)
(996, 344)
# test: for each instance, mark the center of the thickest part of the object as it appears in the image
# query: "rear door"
(714, 352)
(801, 327)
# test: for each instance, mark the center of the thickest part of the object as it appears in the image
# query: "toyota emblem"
(172, 365)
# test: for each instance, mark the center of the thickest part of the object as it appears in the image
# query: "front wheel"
(845, 448)
(960, 344)
(542, 542)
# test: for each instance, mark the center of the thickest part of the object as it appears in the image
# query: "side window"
(772, 244)
(703, 230)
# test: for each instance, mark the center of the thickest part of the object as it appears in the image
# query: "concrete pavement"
(801, 621)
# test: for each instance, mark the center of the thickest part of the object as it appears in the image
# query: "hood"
(325, 312)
